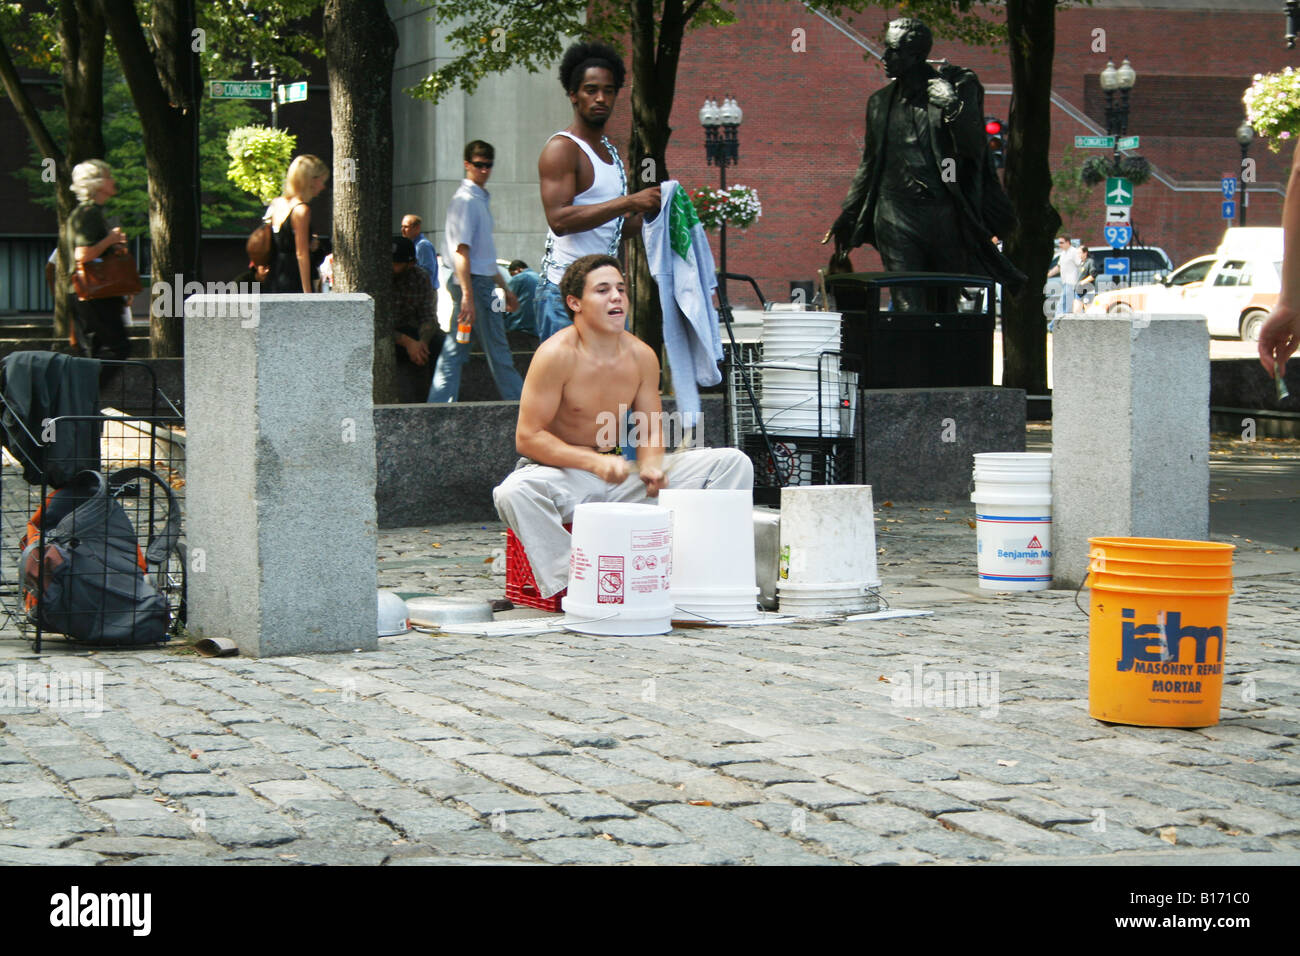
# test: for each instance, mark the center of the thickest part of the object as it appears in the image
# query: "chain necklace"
(548, 257)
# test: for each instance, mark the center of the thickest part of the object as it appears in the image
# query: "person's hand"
(612, 468)
(416, 351)
(841, 231)
(117, 235)
(654, 479)
(466, 313)
(1279, 337)
(512, 301)
(647, 200)
(941, 93)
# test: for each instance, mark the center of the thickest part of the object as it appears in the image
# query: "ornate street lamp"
(1245, 136)
(1120, 80)
(722, 149)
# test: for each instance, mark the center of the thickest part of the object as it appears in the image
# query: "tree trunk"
(360, 49)
(81, 38)
(164, 88)
(1032, 28)
(654, 81)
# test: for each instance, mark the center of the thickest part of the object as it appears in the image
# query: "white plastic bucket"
(619, 570)
(828, 549)
(797, 399)
(800, 334)
(713, 576)
(1013, 520)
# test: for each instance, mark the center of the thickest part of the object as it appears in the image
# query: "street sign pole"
(274, 100)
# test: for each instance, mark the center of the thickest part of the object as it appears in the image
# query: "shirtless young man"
(579, 388)
(583, 182)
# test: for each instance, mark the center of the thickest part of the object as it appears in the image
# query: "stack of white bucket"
(1013, 520)
(828, 551)
(792, 402)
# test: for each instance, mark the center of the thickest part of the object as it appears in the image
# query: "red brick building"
(804, 94)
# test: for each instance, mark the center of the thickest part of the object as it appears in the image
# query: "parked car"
(1234, 289)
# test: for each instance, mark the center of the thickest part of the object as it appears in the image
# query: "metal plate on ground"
(433, 611)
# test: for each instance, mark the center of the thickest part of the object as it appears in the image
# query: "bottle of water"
(462, 331)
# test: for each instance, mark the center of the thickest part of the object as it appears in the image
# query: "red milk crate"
(521, 588)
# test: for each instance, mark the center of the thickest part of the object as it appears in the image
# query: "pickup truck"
(1234, 289)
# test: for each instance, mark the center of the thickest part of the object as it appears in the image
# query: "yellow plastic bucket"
(1113, 565)
(1158, 625)
(1162, 550)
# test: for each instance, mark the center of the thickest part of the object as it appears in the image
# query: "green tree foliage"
(237, 33)
(259, 159)
(1071, 196)
(492, 36)
(226, 208)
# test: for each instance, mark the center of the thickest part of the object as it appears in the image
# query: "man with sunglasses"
(473, 256)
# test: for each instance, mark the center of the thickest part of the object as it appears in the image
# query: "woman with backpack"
(290, 219)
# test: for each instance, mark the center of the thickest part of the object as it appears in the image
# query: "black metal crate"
(50, 470)
(796, 461)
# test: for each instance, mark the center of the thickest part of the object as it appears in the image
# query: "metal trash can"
(941, 346)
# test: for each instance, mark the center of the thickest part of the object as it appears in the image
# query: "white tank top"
(609, 182)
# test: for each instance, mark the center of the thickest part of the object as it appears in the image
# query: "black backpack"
(93, 587)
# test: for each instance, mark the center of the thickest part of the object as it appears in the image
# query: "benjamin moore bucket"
(713, 577)
(1013, 520)
(1157, 634)
(619, 570)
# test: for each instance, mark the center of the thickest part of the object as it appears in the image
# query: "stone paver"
(782, 744)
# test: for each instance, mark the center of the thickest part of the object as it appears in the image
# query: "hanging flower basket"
(1136, 169)
(1273, 106)
(735, 205)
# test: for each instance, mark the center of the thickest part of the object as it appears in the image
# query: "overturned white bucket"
(619, 570)
(713, 577)
(1013, 520)
(828, 550)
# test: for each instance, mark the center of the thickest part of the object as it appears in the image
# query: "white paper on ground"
(528, 625)
(760, 619)
(886, 615)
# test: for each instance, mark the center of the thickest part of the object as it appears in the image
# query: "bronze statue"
(926, 194)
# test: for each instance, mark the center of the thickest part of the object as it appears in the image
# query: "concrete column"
(1130, 433)
(280, 472)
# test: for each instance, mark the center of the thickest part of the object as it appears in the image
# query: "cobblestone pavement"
(770, 745)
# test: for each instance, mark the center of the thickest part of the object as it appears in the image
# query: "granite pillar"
(280, 485)
(1130, 433)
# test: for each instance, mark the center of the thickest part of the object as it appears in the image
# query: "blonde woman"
(97, 323)
(290, 218)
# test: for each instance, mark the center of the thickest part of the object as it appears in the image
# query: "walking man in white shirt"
(583, 182)
(473, 255)
(1068, 265)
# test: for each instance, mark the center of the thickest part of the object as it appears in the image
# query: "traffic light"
(993, 130)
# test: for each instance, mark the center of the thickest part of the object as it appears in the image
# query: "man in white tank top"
(583, 182)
